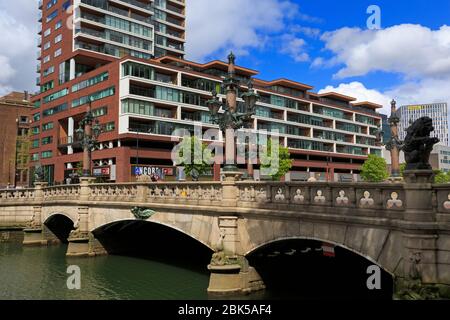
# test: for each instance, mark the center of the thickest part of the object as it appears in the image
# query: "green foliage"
(374, 169)
(441, 177)
(402, 169)
(187, 160)
(285, 161)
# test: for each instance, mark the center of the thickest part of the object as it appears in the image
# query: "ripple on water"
(40, 273)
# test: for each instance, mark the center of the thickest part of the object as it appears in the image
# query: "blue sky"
(324, 43)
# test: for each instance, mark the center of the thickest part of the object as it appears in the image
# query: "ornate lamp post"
(394, 145)
(231, 119)
(87, 134)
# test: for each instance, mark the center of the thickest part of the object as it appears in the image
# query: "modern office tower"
(438, 112)
(386, 128)
(14, 139)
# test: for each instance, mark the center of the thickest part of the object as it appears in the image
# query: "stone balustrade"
(65, 192)
(373, 199)
(17, 195)
(125, 192)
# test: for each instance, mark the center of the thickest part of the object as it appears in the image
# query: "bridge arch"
(205, 241)
(336, 244)
(299, 267)
(58, 225)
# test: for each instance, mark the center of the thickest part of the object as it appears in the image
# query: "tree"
(374, 169)
(441, 177)
(187, 159)
(284, 163)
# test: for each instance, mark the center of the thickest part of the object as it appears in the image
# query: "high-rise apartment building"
(80, 37)
(438, 112)
(140, 101)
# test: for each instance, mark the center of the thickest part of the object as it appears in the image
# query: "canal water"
(40, 273)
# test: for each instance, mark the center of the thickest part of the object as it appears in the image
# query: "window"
(138, 70)
(47, 32)
(36, 116)
(46, 59)
(54, 110)
(47, 126)
(51, 3)
(35, 144)
(35, 130)
(47, 86)
(58, 52)
(47, 140)
(137, 107)
(58, 38)
(110, 127)
(37, 104)
(56, 95)
(35, 156)
(100, 112)
(47, 45)
(90, 82)
(95, 96)
(52, 16)
(164, 93)
(66, 5)
(46, 154)
(58, 25)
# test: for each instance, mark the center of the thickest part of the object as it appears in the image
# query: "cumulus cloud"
(294, 47)
(420, 55)
(359, 91)
(240, 25)
(18, 25)
(411, 50)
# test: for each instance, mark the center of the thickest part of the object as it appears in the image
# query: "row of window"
(93, 97)
(44, 155)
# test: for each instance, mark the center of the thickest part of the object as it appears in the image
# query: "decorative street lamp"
(394, 145)
(87, 135)
(231, 119)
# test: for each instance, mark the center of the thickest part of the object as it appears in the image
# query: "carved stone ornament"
(142, 213)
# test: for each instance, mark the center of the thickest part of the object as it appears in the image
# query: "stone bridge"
(402, 227)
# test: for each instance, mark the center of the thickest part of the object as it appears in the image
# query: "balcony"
(40, 16)
(40, 3)
(105, 6)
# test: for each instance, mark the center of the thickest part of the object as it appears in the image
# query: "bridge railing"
(63, 192)
(323, 197)
(190, 193)
(13, 195)
(114, 192)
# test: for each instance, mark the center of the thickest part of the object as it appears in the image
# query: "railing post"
(230, 189)
(141, 196)
(420, 247)
(33, 233)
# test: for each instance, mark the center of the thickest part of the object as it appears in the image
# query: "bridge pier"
(420, 275)
(231, 273)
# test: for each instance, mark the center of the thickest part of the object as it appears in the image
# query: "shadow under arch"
(298, 268)
(60, 225)
(154, 240)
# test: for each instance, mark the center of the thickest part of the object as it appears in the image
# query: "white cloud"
(359, 91)
(241, 25)
(294, 47)
(412, 50)
(421, 56)
(18, 25)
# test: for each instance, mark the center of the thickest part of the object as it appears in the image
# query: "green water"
(40, 273)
